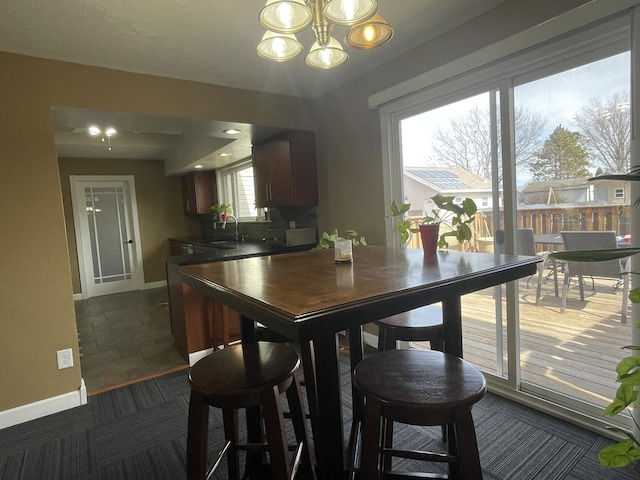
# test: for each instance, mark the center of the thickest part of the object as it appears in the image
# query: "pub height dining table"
(307, 296)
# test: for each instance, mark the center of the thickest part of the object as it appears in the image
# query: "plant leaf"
(619, 454)
(594, 255)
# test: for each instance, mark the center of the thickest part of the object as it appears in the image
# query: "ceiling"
(210, 41)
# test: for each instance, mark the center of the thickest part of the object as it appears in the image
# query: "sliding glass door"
(454, 150)
(582, 118)
(522, 136)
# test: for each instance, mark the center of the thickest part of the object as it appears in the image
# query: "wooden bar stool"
(248, 376)
(420, 325)
(419, 387)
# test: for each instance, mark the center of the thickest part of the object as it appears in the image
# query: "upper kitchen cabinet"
(284, 168)
(199, 192)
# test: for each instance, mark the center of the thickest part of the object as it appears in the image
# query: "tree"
(606, 126)
(562, 156)
(466, 141)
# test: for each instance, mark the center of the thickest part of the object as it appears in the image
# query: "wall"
(36, 308)
(37, 315)
(159, 200)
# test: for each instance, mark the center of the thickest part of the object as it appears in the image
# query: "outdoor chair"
(615, 269)
(525, 245)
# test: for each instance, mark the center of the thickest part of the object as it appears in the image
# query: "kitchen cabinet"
(284, 169)
(199, 193)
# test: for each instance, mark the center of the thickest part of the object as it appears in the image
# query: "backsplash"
(304, 217)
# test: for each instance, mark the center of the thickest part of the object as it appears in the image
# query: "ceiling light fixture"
(109, 131)
(284, 18)
(224, 154)
(232, 131)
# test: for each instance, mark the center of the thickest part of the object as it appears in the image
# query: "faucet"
(224, 224)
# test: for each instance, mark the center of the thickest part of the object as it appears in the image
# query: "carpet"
(139, 432)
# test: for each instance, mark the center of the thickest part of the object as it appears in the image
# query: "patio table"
(306, 296)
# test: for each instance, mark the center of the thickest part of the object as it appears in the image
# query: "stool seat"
(419, 325)
(235, 372)
(251, 376)
(419, 387)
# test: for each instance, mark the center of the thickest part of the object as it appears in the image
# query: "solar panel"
(440, 178)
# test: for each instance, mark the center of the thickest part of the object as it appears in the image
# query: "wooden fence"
(549, 219)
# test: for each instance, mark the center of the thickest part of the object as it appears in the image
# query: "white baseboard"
(195, 356)
(147, 286)
(42, 408)
(370, 339)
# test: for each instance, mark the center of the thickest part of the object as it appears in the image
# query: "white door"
(107, 234)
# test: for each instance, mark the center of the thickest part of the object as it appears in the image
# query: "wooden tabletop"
(305, 289)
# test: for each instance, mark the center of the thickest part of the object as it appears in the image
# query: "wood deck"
(574, 353)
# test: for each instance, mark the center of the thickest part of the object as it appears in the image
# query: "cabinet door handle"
(266, 191)
(270, 194)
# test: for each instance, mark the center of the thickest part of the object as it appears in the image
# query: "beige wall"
(36, 308)
(159, 201)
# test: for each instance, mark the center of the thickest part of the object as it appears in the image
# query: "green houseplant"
(222, 210)
(459, 215)
(327, 240)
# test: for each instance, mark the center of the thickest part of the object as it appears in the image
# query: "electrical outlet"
(65, 358)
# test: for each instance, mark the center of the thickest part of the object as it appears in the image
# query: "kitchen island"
(199, 323)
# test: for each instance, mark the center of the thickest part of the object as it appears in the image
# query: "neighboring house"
(422, 183)
(575, 190)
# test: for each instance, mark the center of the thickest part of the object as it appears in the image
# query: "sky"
(556, 98)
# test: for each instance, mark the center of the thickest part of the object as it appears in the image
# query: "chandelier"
(284, 18)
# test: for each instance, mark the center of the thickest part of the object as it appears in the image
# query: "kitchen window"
(236, 187)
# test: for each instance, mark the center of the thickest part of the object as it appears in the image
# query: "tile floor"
(125, 337)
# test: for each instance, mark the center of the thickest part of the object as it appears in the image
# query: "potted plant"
(327, 240)
(222, 210)
(459, 215)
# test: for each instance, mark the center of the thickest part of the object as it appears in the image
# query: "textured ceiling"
(211, 41)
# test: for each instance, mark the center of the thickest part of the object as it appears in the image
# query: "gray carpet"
(139, 432)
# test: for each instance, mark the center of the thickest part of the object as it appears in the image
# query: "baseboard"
(370, 339)
(195, 356)
(42, 408)
(161, 283)
(77, 297)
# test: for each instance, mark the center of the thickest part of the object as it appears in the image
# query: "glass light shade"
(370, 34)
(349, 12)
(279, 47)
(328, 56)
(291, 16)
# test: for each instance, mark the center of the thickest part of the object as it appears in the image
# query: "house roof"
(447, 180)
(565, 183)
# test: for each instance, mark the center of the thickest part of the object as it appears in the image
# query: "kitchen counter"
(228, 250)
(199, 324)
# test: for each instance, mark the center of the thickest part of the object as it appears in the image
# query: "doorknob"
(130, 241)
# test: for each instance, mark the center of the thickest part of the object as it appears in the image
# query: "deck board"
(574, 353)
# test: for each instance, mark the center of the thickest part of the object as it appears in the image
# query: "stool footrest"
(218, 460)
(412, 475)
(420, 455)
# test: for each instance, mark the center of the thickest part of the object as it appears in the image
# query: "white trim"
(572, 20)
(152, 285)
(42, 408)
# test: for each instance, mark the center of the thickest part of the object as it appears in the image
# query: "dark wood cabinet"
(285, 172)
(199, 193)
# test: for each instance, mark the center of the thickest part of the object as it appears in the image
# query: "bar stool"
(419, 387)
(419, 325)
(248, 376)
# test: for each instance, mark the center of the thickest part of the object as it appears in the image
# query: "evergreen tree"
(562, 156)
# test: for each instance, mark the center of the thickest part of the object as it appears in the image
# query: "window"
(235, 186)
(485, 201)
(618, 193)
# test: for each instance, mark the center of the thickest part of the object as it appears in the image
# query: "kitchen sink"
(223, 244)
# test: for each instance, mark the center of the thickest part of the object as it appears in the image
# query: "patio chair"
(527, 246)
(610, 269)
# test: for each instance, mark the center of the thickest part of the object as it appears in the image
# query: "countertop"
(230, 251)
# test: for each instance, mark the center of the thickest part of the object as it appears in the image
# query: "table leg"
(329, 437)
(452, 321)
